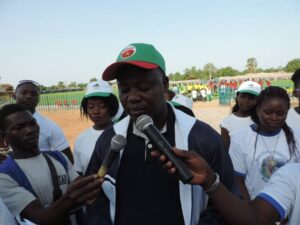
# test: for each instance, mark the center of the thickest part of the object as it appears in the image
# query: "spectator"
(184, 104)
(258, 150)
(100, 105)
(245, 106)
(51, 135)
(40, 187)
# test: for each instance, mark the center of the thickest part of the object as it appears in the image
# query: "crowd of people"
(250, 174)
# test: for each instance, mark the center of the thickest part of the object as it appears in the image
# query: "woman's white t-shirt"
(84, 147)
(256, 156)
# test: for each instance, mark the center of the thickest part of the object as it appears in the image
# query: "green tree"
(209, 71)
(73, 84)
(60, 85)
(251, 65)
(227, 71)
(93, 79)
(292, 65)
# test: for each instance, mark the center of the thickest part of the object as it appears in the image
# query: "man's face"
(22, 131)
(142, 92)
(28, 96)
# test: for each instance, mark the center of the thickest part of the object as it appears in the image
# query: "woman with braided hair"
(258, 150)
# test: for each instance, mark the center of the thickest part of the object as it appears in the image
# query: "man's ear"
(166, 84)
(13, 95)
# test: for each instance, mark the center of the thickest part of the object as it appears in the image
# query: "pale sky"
(75, 40)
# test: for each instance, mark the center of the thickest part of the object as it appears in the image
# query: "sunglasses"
(29, 82)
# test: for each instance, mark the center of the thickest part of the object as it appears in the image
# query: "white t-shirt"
(6, 218)
(51, 135)
(37, 171)
(84, 147)
(258, 164)
(283, 192)
(232, 123)
(293, 120)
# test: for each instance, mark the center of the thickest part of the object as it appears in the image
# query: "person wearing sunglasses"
(51, 136)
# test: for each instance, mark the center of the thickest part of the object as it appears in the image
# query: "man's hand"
(203, 174)
(83, 190)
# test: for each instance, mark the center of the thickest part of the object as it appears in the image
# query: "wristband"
(214, 186)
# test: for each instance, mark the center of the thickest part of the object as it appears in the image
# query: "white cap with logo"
(250, 87)
(181, 100)
(98, 88)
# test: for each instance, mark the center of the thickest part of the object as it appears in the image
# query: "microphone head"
(118, 142)
(143, 121)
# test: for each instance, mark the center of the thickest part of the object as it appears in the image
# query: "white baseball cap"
(250, 87)
(98, 88)
(181, 100)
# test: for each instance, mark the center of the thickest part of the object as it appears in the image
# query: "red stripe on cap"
(110, 72)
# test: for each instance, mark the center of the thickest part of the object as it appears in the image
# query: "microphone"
(145, 124)
(118, 142)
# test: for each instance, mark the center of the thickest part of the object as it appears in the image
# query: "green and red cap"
(138, 54)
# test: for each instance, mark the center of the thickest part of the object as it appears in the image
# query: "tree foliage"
(292, 65)
(251, 65)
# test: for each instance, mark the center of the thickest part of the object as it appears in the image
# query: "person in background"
(51, 135)
(258, 150)
(100, 105)
(241, 112)
(278, 201)
(293, 117)
(41, 187)
(136, 190)
(183, 103)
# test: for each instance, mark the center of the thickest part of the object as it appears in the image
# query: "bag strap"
(57, 193)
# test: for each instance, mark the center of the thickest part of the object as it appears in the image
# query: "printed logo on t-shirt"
(62, 179)
(269, 165)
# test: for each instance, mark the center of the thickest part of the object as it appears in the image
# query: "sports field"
(71, 123)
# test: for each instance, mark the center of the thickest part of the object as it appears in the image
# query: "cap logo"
(128, 52)
(96, 85)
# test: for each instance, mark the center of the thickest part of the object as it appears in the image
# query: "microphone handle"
(156, 138)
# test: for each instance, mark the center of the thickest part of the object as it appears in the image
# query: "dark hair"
(277, 92)
(111, 101)
(296, 77)
(236, 107)
(7, 110)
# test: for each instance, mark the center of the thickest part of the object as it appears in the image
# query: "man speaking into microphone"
(136, 190)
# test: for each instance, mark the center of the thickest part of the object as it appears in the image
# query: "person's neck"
(242, 113)
(102, 126)
(24, 154)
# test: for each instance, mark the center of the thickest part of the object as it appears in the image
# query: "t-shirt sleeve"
(16, 198)
(57, 138)
(280, 191)
(237, 157)
(76, 154)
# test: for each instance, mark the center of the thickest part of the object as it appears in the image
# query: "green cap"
(137, 54)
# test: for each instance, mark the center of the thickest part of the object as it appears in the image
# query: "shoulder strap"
(59, 157)
(57, 193)
(11, 168)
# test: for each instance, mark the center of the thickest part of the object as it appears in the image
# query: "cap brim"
(176, 103)
(249, 92)
(110, 72)
(99, 94)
